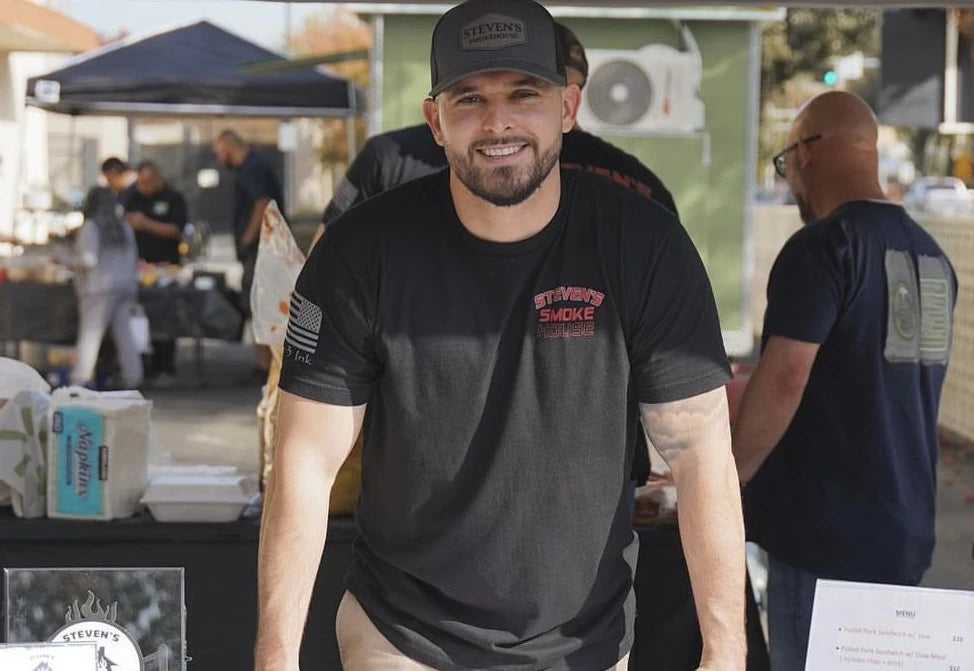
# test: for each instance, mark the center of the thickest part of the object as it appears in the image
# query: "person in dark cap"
(389, 159)
(485, 323)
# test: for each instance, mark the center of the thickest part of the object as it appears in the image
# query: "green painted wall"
(711, 199)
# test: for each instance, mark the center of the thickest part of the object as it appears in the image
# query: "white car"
(939, 195)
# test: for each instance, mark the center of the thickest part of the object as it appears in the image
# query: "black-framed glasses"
(780, 159)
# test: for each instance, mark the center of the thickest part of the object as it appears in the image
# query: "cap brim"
(499, 66)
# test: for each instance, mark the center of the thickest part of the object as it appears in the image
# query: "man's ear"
(431, 112)
(571, 100)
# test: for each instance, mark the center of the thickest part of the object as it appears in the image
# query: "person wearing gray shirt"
(106, 282)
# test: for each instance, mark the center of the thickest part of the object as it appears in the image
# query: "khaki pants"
(363, 648)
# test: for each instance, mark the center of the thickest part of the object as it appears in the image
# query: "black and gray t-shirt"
(494, 530)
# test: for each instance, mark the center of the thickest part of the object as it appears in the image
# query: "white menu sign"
(49, 656)
(858, 626)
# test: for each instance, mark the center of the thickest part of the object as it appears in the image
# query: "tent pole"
(133, 157)
(350, 136)
(350, 120)
(950, 73)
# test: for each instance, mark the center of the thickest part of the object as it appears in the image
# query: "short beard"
(507, 190)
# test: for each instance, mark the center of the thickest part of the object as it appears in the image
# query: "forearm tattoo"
(673, 427)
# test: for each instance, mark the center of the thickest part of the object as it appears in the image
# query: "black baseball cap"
(495, 35)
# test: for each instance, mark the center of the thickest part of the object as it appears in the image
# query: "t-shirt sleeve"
(357, 184)
(329, 351)
(676, 347)
(805, 287)
(257, 182)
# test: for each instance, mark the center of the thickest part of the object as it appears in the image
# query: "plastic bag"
(279, 261)
(16, 376)
(23, 460)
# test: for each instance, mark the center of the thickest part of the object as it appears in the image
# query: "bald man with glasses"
(836, 438)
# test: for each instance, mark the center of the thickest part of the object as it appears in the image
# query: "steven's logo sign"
(493, 31)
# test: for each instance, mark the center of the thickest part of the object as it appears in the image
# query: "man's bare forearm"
(694, 437)
(252, 232)
(770, 400)
(292, 538)
(314, 441)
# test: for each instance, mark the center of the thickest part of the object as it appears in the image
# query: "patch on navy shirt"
(936, 322)
(903, 312)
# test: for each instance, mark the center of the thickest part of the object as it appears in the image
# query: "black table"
(48, 313)
(220, 563)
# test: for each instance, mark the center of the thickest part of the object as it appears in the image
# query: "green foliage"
(797, 52)
(807, 39)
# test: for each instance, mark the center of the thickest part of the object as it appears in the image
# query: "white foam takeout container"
(198, 498)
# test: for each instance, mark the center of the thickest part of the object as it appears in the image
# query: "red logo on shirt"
(556, 320)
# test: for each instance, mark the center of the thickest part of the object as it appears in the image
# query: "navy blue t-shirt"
(849, 492)
(255, 179)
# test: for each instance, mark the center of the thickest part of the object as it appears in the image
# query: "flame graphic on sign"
(91, 609)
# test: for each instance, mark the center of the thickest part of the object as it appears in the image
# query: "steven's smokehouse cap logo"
(493, 31)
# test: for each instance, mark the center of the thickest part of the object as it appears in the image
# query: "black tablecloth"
(220, 563)
(49, 312)
(221, 579)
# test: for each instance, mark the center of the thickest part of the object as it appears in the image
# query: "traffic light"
(830, 78)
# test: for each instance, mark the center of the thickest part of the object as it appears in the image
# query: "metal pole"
(376, 74)
(950, 69)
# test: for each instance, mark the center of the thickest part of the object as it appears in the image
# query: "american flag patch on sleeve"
(304, 324)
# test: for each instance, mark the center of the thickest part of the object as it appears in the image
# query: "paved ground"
(213, 420)
(215, 423)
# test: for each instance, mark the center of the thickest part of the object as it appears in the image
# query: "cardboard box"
(98, 450)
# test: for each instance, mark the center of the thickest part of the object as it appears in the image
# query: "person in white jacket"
(106, 282)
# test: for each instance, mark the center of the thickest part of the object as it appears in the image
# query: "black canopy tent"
(192, 70)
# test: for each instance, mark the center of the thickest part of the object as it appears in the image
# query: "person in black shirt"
(485, 322)
(393, 158)
(255, 186)
(836, 435)
(157, 213)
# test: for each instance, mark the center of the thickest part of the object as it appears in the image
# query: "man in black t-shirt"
(157, 214)
(837, 430)
(483, 323)
(255, 186)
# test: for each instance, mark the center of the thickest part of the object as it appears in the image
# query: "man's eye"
(468, 100)
(525, 93)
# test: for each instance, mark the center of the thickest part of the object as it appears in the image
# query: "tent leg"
(350, 136)
(133, 158)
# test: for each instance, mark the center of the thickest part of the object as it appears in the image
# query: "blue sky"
(261, 22)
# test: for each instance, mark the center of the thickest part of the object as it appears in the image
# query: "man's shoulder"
(254, 163)
(586, 151)
(399, 208)
(170, 194)
(130, 196)
(409, 137)
(612, 201)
